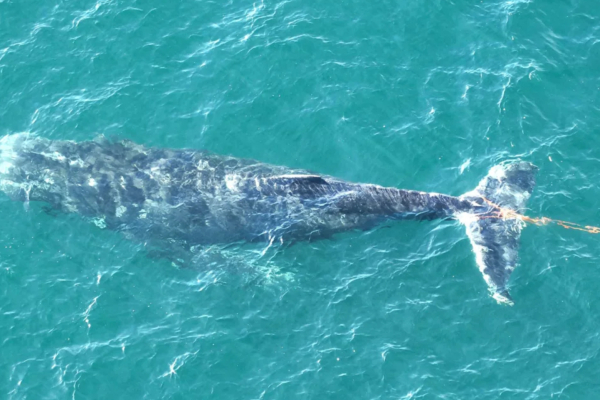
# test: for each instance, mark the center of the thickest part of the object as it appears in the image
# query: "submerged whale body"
(193, 198)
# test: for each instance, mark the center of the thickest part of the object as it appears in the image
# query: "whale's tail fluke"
(494, 235)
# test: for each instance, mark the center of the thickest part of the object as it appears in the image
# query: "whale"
(167, 198)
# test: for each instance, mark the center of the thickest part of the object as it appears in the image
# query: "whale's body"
(195, 198)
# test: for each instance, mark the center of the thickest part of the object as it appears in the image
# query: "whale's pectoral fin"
(495, 236)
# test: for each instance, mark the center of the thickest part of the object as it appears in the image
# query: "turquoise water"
(419, 95)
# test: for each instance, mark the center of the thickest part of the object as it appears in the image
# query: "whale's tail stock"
(494, 223)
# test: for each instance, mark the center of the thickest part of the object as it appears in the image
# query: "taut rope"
(505, 213)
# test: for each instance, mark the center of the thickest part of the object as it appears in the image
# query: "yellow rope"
(504, 213)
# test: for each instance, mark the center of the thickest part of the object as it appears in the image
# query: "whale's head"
(22, 166)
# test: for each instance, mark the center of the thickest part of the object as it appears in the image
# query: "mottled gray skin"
(196, 197)
(183, 198)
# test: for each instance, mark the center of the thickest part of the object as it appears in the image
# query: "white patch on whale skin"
(121, 210)
(56, 156)
(79, 163)
(92, 182)
(232, 181)
(99, 222)
(203, 165)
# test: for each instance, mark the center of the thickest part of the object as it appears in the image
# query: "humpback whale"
(164, 197)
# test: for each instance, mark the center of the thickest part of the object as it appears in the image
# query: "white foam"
(7, 147)
(5, 167)
(497, 172)
(502, 299)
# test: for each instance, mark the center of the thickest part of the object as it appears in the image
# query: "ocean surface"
(425, 95)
